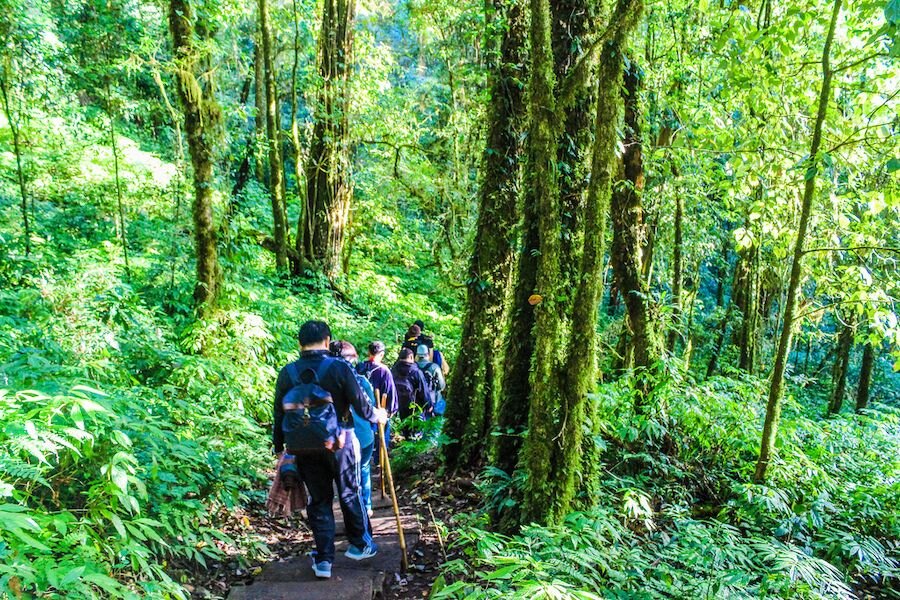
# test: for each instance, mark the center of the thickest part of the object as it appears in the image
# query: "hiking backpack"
(406, 393)
(310, 419)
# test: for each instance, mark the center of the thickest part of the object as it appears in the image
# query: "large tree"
(202, 119)
(476, 375)
(320, 238)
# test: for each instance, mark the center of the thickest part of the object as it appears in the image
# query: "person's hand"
(381, 415)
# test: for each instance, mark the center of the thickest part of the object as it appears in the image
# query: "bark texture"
(202, 118)
(328, 186)
(626, 211)
(475, 379)
(273, 139)
(841, 363)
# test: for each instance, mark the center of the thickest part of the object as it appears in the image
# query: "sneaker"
(370, 512)
(322, 569)
(354, 553)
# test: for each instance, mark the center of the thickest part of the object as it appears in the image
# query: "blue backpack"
(310, 419)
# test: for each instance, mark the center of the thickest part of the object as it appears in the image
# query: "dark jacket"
(338, 380)
(420, 393)
(381, 379)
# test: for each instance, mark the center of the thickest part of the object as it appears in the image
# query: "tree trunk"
(259, 121)
(17, 148)
(295, 126)
(677, 268)
(865, 377)
(571, 23)
(202, 117)
(328, 185)
(627, 223)
(276, 170)
(773, 406)
(553, 448)
(475, 379)
(841, 362)
(746, 292)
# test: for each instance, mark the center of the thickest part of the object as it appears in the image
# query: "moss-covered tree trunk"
(202, 118)
(553, 449)
(865, 376)
(259, 120)
(273, 142)
(776, 386)
(320, 237)
(841, 363)
(476, 375)
(677, 272)
(627, 224)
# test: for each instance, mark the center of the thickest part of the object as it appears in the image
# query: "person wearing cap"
(379, 375)
(434, 377)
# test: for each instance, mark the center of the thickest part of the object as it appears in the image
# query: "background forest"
(658, 242)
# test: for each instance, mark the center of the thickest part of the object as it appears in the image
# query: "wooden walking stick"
(381, 443)
(404, 564)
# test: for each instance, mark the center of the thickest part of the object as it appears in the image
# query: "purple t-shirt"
(381, 379)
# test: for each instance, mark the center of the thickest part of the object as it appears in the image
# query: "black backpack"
(310, 419)
(406, 392)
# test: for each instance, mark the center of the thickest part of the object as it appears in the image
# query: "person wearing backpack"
(361, 427)
(434, 377)
(412, 389)
(312, 421)
(379, 375)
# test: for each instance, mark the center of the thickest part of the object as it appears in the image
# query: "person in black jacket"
(320, 470)
(412, 389)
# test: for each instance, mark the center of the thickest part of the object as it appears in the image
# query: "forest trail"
(288, 574)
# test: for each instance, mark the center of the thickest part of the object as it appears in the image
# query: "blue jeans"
(365, 469)
(319, 472)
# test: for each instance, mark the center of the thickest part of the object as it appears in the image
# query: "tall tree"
(273, 138)
(476, 375)
(202, 118)
(773, 406)
(626, 210)
(328, 187)
(553, 449)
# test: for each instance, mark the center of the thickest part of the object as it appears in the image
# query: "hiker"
(434, 355)
(312, 421)
(379, 375)
(434, 377)
(411, 339)
(361, 427)
(412, 389)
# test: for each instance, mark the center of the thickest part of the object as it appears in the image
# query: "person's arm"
(282, 386)
(423, 390)
(393, 402)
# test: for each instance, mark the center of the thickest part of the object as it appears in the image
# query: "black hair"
(376, 347)
(405, 354)
(420, 323)
(313, 332)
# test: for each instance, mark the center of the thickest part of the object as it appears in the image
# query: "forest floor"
(431, 500)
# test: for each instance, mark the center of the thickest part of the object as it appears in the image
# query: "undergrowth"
(669, 512)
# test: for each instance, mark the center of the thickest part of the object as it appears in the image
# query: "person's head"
(413, 332)
(406, 355)
(314, 335)
(344, 349)
(376, 351)
(420, 324)
(421, 352)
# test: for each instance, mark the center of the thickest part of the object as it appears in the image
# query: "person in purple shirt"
(382, 380)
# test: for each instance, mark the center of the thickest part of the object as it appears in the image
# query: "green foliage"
(672, 517)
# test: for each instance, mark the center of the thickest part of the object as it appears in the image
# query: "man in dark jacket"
(379, 375)
(320, 470)
(412, 389)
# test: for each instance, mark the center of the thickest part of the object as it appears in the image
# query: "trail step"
(293, 579)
